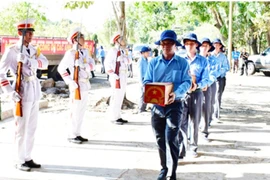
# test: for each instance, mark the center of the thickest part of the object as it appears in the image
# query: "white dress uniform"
(30, 91)
(77, 107)
(117, 95)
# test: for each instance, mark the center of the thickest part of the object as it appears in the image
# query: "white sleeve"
(4, 66)
(66, 63)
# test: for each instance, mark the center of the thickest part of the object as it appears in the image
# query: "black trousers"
(165, 124)
(244, 67)
(221, 88)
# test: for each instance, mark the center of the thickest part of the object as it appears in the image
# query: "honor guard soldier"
(192, 112)
(23, 60)
(84, 64)
(165, 120)
(116, 66)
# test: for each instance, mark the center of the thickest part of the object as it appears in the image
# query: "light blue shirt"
(213, 69)
(223, 62)
(175, 70)
(101, 53)
(200, 68)
(142, 65)
(236, 55)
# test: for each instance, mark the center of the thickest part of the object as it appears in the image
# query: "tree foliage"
(17, 12)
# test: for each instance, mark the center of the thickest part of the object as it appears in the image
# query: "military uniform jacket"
(30, 89)
(68, 62)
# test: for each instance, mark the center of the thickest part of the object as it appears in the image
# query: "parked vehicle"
(259, 63)
(53, 48)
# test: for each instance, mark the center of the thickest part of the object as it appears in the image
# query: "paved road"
(239, 147)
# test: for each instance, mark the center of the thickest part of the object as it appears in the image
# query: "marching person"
(210, 92)
(116, 74)
(168, 67)
(85, 64)
(29, 93)
(142, 66)
(221, 77)
(199, 70)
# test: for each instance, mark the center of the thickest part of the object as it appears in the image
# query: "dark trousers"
(165, 124)
(142, 105)
(130, 71)
(235, 66)
(206, 110)
(244, 67)
(192, 112)
(214, 101)
(102, 65)
(221, 88)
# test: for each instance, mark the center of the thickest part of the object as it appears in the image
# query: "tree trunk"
(219, 22)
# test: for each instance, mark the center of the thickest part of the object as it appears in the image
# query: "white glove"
(15, 96)
(79, 63)
(21, 58)
(73, 85)
(115, 76)
(33, 63)
(120, 58)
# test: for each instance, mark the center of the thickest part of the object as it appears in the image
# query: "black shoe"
(75, 140)
(32, 164)
(82, 139)
(23, 167)
(163, 174)
(120, 120)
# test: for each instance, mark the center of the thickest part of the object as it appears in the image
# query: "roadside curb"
(9, 112)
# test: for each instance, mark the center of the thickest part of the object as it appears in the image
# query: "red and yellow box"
(158, 93)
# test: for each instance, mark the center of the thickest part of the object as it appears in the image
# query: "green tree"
(18, 11)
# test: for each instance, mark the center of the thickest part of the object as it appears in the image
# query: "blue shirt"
(213, 69)
(101, 53)
(200, 68)
(236, 55)
(175, 70)
(142, 65)
(223, 63)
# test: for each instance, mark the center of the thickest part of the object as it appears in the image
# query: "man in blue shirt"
(193, 105)
(235, 56)
(101, 55)
(142, 66)
(168, 67)
(221, 76)
(210, 92)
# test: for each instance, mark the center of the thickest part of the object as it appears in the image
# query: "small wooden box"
(158, 93)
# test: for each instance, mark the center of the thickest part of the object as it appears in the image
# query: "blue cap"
(192, 37)
(145, 49)
(217, 40)
(168, 35)
(205, 39)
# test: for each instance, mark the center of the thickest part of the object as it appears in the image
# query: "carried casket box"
(158, 93)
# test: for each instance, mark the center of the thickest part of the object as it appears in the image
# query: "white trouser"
(77, 111)
(25, 130)
(117, 96)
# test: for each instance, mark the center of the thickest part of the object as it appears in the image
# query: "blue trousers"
(165, 124)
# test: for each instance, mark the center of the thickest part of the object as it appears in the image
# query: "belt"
(29, 78)
(85, 80)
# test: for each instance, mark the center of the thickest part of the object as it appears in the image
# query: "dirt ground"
(238, 149)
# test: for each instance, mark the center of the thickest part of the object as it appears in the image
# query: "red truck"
(53, 48)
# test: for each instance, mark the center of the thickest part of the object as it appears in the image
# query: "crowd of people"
(197, 69)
